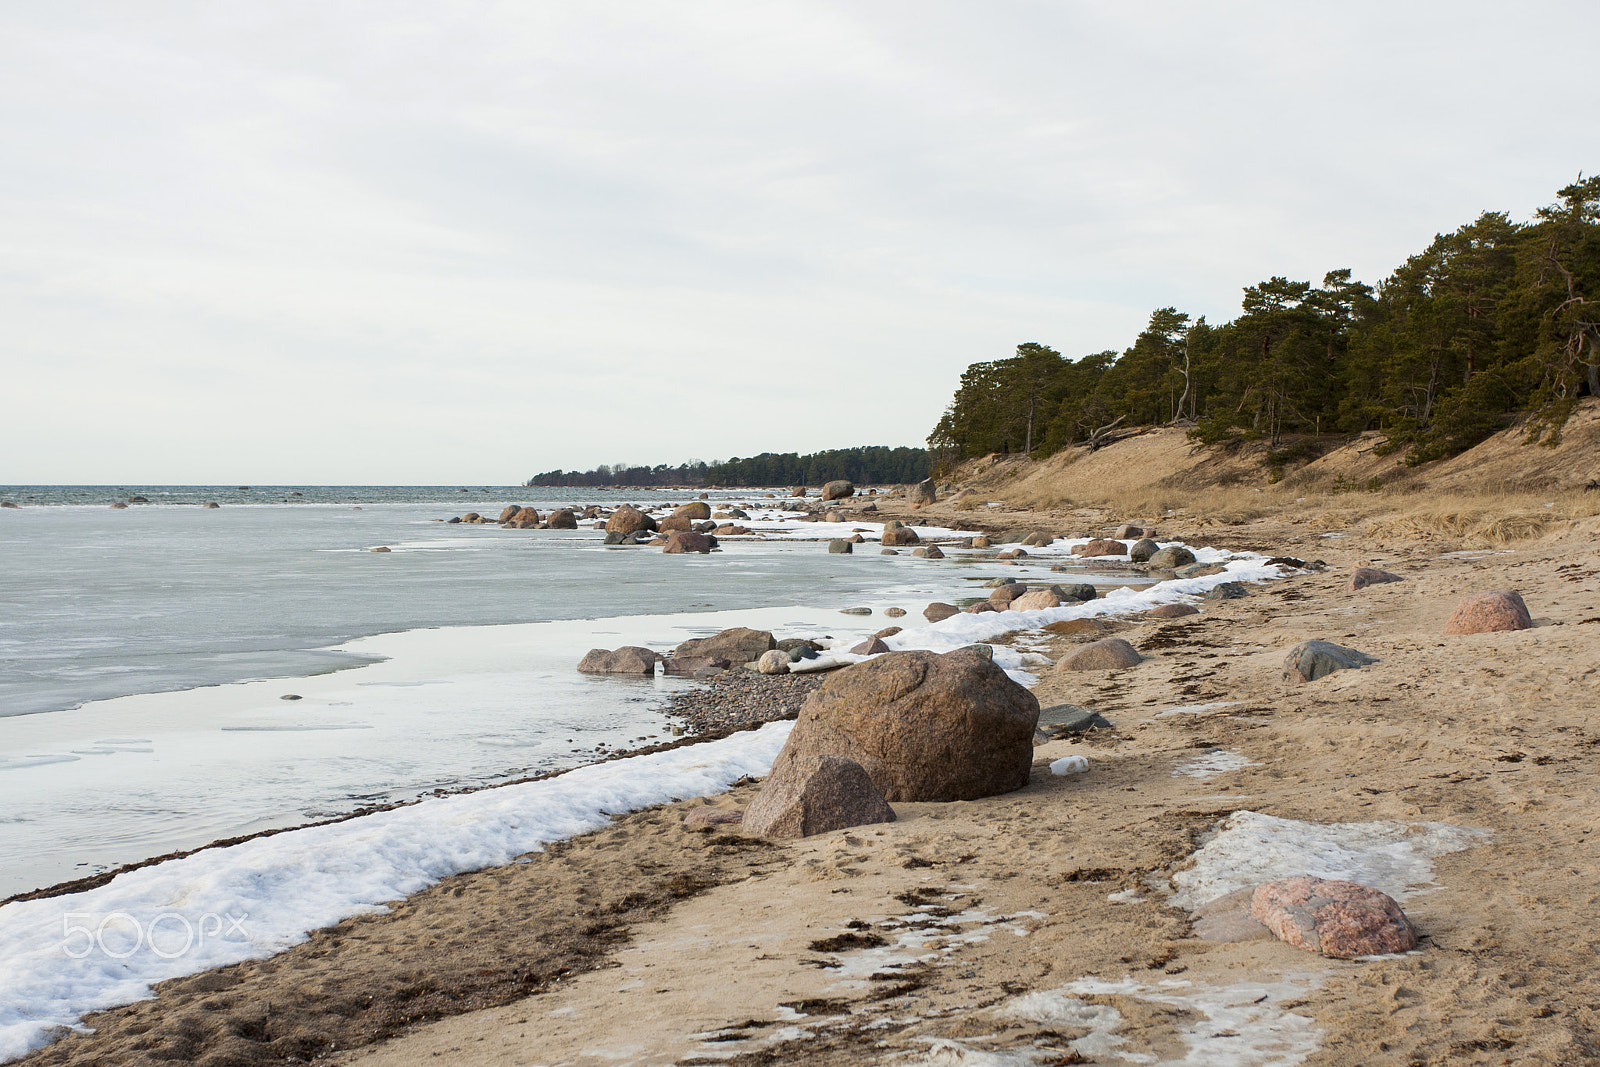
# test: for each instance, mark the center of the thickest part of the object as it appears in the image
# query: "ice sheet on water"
(64, 956)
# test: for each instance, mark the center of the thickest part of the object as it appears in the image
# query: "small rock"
(564, 519)
(888, 631)
(923, 493)
(1036, 600)
(695, 666)
(980, 607)
(1362, 577)
(889, 552)
(773, 661)
(895, 535)
(1077, 626)
(855, 611)
(928, 552)
(1171, 558)
(1310, 660)
(290, 696)
(996, 583)
(380, 548)
(1080, 591)
(1141, 551)
(939, 612)
(1126, 532)
(872, 646)
(813, 794)
(894, 613)
(1069, 719)
(841, 548)
(737, 645)
(1172, 611)
(1100, 546)
(1490, 613)
(981, 542)
(1039, 539)
(1011, 553)
(983, 651)
(1107, 654)
(1069, 765)
(209, 504)
(1340, 919)
(680, 542)
(1227, 591)
(1199, 570)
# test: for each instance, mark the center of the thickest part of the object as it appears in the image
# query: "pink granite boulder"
(1339, 919)
(1485, 613)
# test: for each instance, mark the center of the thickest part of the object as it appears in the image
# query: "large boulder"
(1344, 920)
(1107, 654)
(1489, 613)
(680, 542)
(628, 519)
(564, 519)
(738, 645)
(510, 512)
(838, 490)
(629, 659)
(1036, 600)
(1141, 551)
(1100, 546)
(1171, 558)
(697, 511)
(895, 535)
(1362, 577)
(924, 493)
(924, 726)
(813, 795)
(1310, 660)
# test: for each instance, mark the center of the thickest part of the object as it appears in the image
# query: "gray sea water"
(145, 652)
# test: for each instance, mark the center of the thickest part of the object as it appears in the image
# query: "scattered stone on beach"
(981, 541)
(888, 631)
(838, 490)
(1339, 919)
(1199, 570)
(1227, 591)
(628, 519)
(1362, 577)
(695, 666)
(1079, 591)
(209, 504)
(924, 493)
(789, 644)
(683, 541)
(1170, 558)
(894, 613)
(1141, 551)
(741, 699)
(290, 696)
(1077, 626)
(924, 726)
(737, 645)
(855, 611)
(1107, 654)
(773, 661)
(814, 794)
(996, 583)
(832, 516)
(928, 552)
(872, 646)
(629, 659)
(705, 527)
(1036, 600)
(1484, 613)
(986, 651)
(798, 491)
(678, 523)
(1101, 546)
(856, 539)
(1310, 660)
(841, 547)
(1067, 720)
(889, 552)
(380, 548)
(1126, 532)
(1005, 594)
(706, 818)
(937, 612)
(695, 511)
(452, 519)
(1011, 553)
(730, 530)
(511, 511)
(982, 606)
(1172, 611)
(1039, 539)
(563, 520)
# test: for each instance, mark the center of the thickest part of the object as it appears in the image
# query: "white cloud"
(409, 243)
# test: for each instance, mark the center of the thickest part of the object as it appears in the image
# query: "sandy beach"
(1044, 926)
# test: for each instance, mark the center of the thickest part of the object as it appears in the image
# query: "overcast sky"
(394, 242)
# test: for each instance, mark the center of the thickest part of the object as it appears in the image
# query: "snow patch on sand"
(1252, 848)
(65, 956)
(1218, 761)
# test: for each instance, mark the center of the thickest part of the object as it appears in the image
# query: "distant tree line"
(871, 465)
(1492, 322)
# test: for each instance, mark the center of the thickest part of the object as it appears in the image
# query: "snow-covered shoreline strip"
(63, 957)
